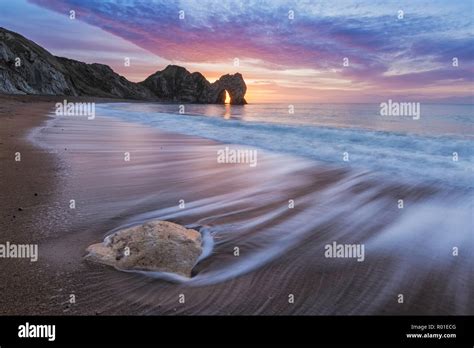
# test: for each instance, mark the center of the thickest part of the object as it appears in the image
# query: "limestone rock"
(26, 68)
(39, 72)
(100, 80)
(154, 246)
(234, 84)
(177, 84)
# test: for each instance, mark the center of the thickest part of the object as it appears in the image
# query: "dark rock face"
(39, 72)
(175, 83)
(234, 84)
(101, 81)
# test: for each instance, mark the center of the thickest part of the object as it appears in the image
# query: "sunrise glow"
(326, 52)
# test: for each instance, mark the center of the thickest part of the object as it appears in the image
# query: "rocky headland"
(27, 68)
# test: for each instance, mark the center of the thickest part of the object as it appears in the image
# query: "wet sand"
(281, 249)
(26, 287)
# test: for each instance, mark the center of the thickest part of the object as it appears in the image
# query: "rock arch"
(221, 96)
(234, 85)
(177, 84)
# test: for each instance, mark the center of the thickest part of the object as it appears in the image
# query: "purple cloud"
(218, 31)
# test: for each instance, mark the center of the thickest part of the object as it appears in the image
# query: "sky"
(288, 51)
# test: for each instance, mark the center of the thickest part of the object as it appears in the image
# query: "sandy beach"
(28, 286)
(250, 168)
(281, 249)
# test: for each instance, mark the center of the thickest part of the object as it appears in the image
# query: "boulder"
(154, 246)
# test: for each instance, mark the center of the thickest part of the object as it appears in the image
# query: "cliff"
(27, 68)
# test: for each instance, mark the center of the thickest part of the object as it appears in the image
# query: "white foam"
(409, 156)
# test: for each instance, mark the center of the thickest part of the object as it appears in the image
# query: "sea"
(434, 148)
(397, 188)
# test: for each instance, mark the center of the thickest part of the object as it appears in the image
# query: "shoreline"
(26, 186)
(29, 208)
(240, 208)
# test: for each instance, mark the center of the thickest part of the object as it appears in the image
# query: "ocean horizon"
(441, 139)
(250, 167)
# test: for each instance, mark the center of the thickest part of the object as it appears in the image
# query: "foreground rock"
(26, 68)
(154, 246)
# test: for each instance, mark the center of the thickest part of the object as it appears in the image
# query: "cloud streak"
(320, 36)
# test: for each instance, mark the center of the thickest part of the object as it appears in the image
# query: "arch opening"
(224, 97)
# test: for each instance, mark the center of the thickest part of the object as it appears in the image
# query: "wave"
(446, 160)
(407, 250)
